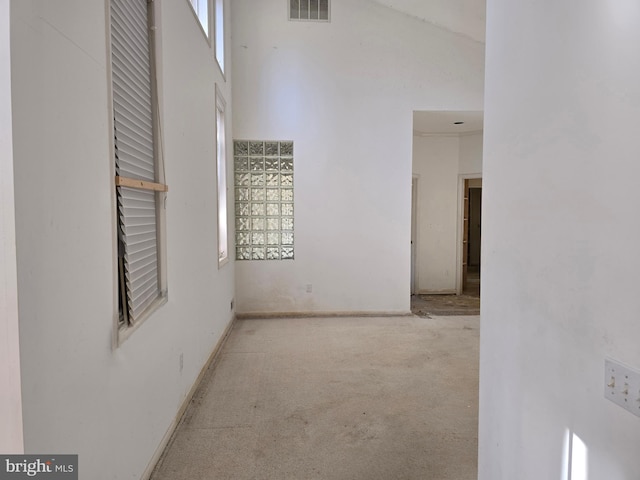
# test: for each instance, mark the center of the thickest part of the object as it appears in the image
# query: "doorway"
(471, 236)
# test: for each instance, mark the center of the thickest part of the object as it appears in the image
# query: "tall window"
(220, 33)
(221, 159)
(201, 9)
(137, 175)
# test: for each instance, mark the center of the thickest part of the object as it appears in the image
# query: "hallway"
(335, 398)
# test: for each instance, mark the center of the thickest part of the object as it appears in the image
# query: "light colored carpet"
(335, 398)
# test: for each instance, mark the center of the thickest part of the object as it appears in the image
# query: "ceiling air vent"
(310, 10)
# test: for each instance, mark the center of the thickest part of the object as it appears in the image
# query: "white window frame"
(122, 331)
(201, 10)
(221, 180)
(219, 30)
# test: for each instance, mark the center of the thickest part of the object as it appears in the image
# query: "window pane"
(304, 9)
(221, 163)
(295, 9)
(219, 33)
(324, 9)
(313, 10)
(201, 7)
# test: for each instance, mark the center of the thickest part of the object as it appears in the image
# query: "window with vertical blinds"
(135, 158)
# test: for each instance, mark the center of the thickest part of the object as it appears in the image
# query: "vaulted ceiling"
(464, 17)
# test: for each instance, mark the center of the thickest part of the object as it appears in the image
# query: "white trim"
(115, 331)
(221, 106)
(331, 314)
(207, 36)
(446, 291)
(418, 133)
(415, 180)
(124, 332)
(161, 173)
(12, 432)
(459, 254)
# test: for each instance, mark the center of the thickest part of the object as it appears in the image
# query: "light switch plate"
(622, 385)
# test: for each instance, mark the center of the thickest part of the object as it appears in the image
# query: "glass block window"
(317, 10)
(263, 177)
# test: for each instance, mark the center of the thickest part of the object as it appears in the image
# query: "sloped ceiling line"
(460, 17)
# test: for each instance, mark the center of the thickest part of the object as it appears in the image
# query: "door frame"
(414, 234)
(462, 178)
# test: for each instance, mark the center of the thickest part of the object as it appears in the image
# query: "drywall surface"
(560, 230)
(345, 93)
(11, 440)
(112, 406)
(466, 17)
(436, 166)
(438, 162)
(470, 160)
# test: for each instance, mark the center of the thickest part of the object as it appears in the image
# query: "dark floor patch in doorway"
(445, 305)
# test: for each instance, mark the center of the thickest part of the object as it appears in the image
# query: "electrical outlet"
(622, 385)
(309, 288)
(232, 305)
(181, 361)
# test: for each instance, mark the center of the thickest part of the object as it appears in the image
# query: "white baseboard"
(438, 292)
(268, 315)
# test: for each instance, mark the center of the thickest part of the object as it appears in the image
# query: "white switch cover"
(622, 385)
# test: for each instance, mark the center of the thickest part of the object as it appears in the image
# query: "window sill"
(123, 333)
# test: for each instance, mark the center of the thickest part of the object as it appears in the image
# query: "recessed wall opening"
(446, 208)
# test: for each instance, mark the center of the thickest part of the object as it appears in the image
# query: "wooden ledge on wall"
(140, 184)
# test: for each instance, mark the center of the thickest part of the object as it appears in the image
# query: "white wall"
(435, 162)
(470, 159)
(560, 236)
(79, 395)
(11, 440)
(463, 16)
(438, 162)
(345, 93)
